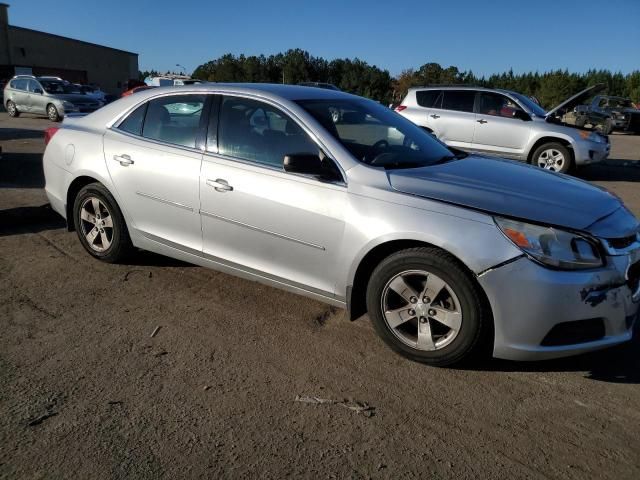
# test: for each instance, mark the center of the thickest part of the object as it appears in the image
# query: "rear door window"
(174, 119)
(459, 100)
(428, 98)
(20, 84)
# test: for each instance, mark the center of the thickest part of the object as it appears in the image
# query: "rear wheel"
(427, 308)
(12, 110)
(100, 225)
(553, 156)
(52, 113)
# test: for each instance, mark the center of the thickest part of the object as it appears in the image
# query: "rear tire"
(52, 113)
(100, 225)
(12, 110)
(426, 307)
(553, 156)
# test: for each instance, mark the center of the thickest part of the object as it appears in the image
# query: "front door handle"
(220, 185)
(482, 121)
(433, 115)
(125, 160)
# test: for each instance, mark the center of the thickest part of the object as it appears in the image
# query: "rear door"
(154, 158)
(500, 127)
(455, 122)
(20, 94)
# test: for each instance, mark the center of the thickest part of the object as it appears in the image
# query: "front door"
(260, 218)
(154, 163)
(500, 128)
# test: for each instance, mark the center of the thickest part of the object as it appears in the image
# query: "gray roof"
(289, 92)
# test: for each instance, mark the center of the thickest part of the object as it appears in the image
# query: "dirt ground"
(87, 392)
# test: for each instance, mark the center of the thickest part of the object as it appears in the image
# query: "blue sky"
(484, 36)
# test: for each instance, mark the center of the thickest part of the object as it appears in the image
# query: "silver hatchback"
(506, 124)
(338, 198)
(50, 96)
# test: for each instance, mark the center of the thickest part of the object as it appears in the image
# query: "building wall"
(73, 60)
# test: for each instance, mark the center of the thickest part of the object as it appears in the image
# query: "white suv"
(505, 124)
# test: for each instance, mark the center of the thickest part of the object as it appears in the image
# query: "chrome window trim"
(156, 142)
(262, 230)
(114, 124)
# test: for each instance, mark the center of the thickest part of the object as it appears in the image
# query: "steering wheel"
(374, 149)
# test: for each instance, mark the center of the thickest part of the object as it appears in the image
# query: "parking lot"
(159, 369)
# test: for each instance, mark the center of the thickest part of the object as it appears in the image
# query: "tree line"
(358, 77)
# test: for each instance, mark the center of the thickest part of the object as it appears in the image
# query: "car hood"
(511, 189)
(577, 99)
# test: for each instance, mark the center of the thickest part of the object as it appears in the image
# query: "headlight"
(592, 136)
(551, 246)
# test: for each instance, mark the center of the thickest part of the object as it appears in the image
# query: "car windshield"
(376, 135)
(56, 86)
(530, 105)
(619, 103)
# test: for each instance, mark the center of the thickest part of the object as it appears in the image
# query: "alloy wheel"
(96, 224)
(11, 108)
(551, 159)
(421, 310)
(52, 113)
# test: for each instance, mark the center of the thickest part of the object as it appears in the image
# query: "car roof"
(462, 87)
(275, 90)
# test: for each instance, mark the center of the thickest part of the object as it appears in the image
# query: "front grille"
(578, 331)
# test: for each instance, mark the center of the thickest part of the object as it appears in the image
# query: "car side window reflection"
(255, 131)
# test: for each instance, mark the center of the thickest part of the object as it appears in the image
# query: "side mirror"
(38, 91)
(311, 164)
(521, 115)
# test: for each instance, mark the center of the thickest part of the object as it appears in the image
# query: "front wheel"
(100, 225)
(52, 113)
(425, 306)
(553, 156)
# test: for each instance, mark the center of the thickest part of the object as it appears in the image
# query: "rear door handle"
(125, 160)
(482, 121)
(433, 115)
(220, 185)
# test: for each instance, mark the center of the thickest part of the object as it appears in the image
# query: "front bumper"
(587, 152)
(529, 300)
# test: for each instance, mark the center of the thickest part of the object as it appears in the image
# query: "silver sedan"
(335, 197)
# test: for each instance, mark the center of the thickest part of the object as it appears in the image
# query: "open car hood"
(578, 99)
(515, 190)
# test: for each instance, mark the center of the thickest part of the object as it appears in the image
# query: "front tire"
(426, 307)
(100, 225)
(553, 156)
(12, 110)
(52, 113)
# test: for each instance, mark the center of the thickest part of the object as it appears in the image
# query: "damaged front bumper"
(541, 313)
